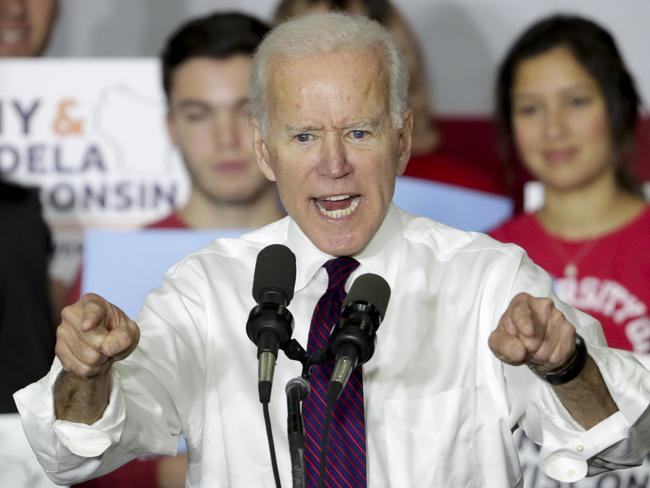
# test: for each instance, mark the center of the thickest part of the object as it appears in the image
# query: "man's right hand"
(92, 335)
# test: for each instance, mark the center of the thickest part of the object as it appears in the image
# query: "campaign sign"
(91, 135)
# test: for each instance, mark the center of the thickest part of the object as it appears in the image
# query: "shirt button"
(580, 448)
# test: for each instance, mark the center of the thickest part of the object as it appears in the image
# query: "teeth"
(340, 213)
(12, 36)
(336, 198)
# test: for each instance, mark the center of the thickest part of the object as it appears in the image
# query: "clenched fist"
(92, 335)
(533, 331)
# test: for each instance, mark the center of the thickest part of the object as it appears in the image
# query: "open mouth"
(338, 206)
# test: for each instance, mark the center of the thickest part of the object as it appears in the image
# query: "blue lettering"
(168, 196)
(35, 162)
(122, 193)
(9, 159)
(93, 158)
(95, 196)
(609, 480)
(25, 114)
(633, 483)
(58, 162)
(61, 197)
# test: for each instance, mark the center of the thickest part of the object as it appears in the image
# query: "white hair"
(323, 34)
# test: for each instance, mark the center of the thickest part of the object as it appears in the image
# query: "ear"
(405, 141)
(170, 123)
(262, 151)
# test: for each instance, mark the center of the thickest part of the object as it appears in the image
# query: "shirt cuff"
(36, 401)
(565, 451)
(567, 447)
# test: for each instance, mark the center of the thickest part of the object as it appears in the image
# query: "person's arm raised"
(92, 335)
(533, 331)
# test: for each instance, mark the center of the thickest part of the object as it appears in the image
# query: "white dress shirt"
(440, 407)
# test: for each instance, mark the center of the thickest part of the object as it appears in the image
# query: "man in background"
(206, 68)
(205, 72)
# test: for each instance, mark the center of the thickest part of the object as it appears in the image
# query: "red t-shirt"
(612, 274)
(172, 221)
(453, 172)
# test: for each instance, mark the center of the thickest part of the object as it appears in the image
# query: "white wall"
(462, 39)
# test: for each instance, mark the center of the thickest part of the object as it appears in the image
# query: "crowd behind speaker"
(588, 218)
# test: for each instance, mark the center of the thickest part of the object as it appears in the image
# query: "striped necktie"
(346, 454)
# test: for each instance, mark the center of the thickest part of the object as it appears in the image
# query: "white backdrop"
(462, 39)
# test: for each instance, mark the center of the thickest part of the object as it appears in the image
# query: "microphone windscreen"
(275, 269)
(370, 288)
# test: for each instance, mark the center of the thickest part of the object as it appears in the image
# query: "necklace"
(571, 261)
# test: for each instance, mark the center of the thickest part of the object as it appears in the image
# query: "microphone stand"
(296, 390)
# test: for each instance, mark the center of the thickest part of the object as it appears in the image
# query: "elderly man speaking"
(473, 343)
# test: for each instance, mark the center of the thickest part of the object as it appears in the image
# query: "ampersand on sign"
(64, 124)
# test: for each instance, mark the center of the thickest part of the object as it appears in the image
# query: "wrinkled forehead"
(362, 71)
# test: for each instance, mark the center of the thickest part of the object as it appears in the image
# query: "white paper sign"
(91, 135)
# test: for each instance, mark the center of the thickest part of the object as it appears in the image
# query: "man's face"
(25, 26)
(208, 121)
(331, 146)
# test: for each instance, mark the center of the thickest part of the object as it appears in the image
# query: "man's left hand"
(533, 331)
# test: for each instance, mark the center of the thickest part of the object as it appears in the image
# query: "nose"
(333, 159)
(554, 123)
(227, 129)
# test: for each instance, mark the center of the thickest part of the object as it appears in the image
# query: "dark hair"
(218, 36)
(595, 50)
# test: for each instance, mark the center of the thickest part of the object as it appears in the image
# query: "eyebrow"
(302, 128)
(372, 123)
(577, 86)
(191, 103)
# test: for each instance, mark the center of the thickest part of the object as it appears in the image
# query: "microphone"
(352, 341)
(270, 324)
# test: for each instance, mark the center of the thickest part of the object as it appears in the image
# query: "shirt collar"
(381, 256)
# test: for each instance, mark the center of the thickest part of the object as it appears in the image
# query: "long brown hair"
(595, 50)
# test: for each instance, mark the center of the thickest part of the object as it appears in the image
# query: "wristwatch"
(570, 370)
